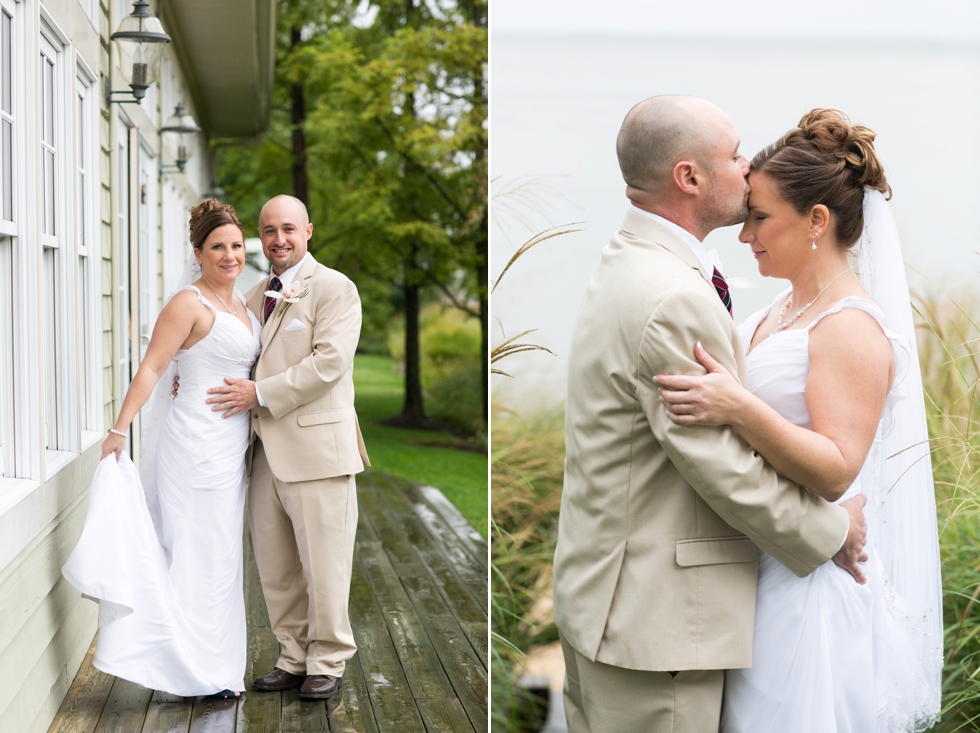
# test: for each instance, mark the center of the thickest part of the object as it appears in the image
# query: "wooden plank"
(362, 606)
(478, 634)
(214, 716)
(444, 715)
(168, 713)
(419, 661)
(396, 492)
(302, 715)
(125, 709)
(85, 700)
(261, 711)
(430, 604)
(351, 711)
(256, 612)
(394, 708)
(468, 675)
(438, 514)
(392, 535)
(464, 583)
(365, 531)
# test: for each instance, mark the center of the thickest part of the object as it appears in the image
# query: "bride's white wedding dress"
(167, 568)
(827, 655)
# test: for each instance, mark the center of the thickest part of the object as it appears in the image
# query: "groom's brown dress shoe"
(277, 679)
(320, 687)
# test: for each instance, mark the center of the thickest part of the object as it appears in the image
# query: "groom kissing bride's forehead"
(708, 191)
(711, 568)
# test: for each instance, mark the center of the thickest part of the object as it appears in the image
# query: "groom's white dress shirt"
(289, 275)
(689, 239)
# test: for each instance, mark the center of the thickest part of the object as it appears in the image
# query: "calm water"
(557, 104)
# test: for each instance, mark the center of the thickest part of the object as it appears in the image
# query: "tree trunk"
(413, 410)
(300, 182)
(412, 415)
(482, 274)
(478, 19)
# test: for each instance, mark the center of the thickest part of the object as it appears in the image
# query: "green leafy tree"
(380, 126)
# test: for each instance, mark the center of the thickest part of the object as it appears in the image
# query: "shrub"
(451, 372)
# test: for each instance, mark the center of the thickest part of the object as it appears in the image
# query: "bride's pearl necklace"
(780, 326)
(233, 300)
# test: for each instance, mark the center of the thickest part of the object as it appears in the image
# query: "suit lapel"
(645, 228)
(302, 278)
(256, 301)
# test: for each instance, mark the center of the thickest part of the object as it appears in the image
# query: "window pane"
(87, 347)
(50, 313)
(49, 193)
(7, 181)
(6, 357)
(6, 59)
(48, 81)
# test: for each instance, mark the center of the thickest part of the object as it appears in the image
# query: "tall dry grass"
(527, 456)
(949, 337)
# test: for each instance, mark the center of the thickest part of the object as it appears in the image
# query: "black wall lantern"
(140, 41)
(184, 126)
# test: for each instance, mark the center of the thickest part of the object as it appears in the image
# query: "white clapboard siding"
(47, 627)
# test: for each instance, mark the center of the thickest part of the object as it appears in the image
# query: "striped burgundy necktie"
(270, 303)
(722, 287)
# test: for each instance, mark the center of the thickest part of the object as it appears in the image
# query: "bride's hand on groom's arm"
(852, 551)
(715, 398)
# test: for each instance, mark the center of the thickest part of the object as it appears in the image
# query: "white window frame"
(8, 243)
(22, 466)
(58, 245)
(87, 193)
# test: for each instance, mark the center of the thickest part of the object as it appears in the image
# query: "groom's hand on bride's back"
(852, 552)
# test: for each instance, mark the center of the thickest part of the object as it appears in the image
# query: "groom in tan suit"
(302, 502)
(657, 560)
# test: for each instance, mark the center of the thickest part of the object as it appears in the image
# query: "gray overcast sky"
(940, 20)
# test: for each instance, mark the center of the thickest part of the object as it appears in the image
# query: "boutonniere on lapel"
(287, 295)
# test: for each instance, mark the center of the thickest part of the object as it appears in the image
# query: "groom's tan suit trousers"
(302, 500)
(657, 561)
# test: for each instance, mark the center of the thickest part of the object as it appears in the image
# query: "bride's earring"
(813, 244)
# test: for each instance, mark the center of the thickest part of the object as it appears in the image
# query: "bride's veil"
(156, 409)
(897, 479)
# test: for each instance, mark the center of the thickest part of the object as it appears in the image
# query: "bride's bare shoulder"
(185, 305)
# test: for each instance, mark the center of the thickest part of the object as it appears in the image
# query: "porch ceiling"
(227, 49)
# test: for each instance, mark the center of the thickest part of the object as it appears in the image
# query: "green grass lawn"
(422, 456)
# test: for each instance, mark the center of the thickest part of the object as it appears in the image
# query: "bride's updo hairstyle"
(826, 160)
(208, 216)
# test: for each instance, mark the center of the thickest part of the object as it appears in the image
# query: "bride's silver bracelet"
(116, 432)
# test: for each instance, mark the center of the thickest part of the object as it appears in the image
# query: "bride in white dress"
(167, 568)
(833, 394)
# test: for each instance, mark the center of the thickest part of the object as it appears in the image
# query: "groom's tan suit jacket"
(657, 556)
(309, 428)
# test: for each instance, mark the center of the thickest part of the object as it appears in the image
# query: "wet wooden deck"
(419, 612)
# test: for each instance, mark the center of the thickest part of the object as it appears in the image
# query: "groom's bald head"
(661, 131)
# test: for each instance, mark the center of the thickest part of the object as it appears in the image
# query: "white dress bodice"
(826, 655)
